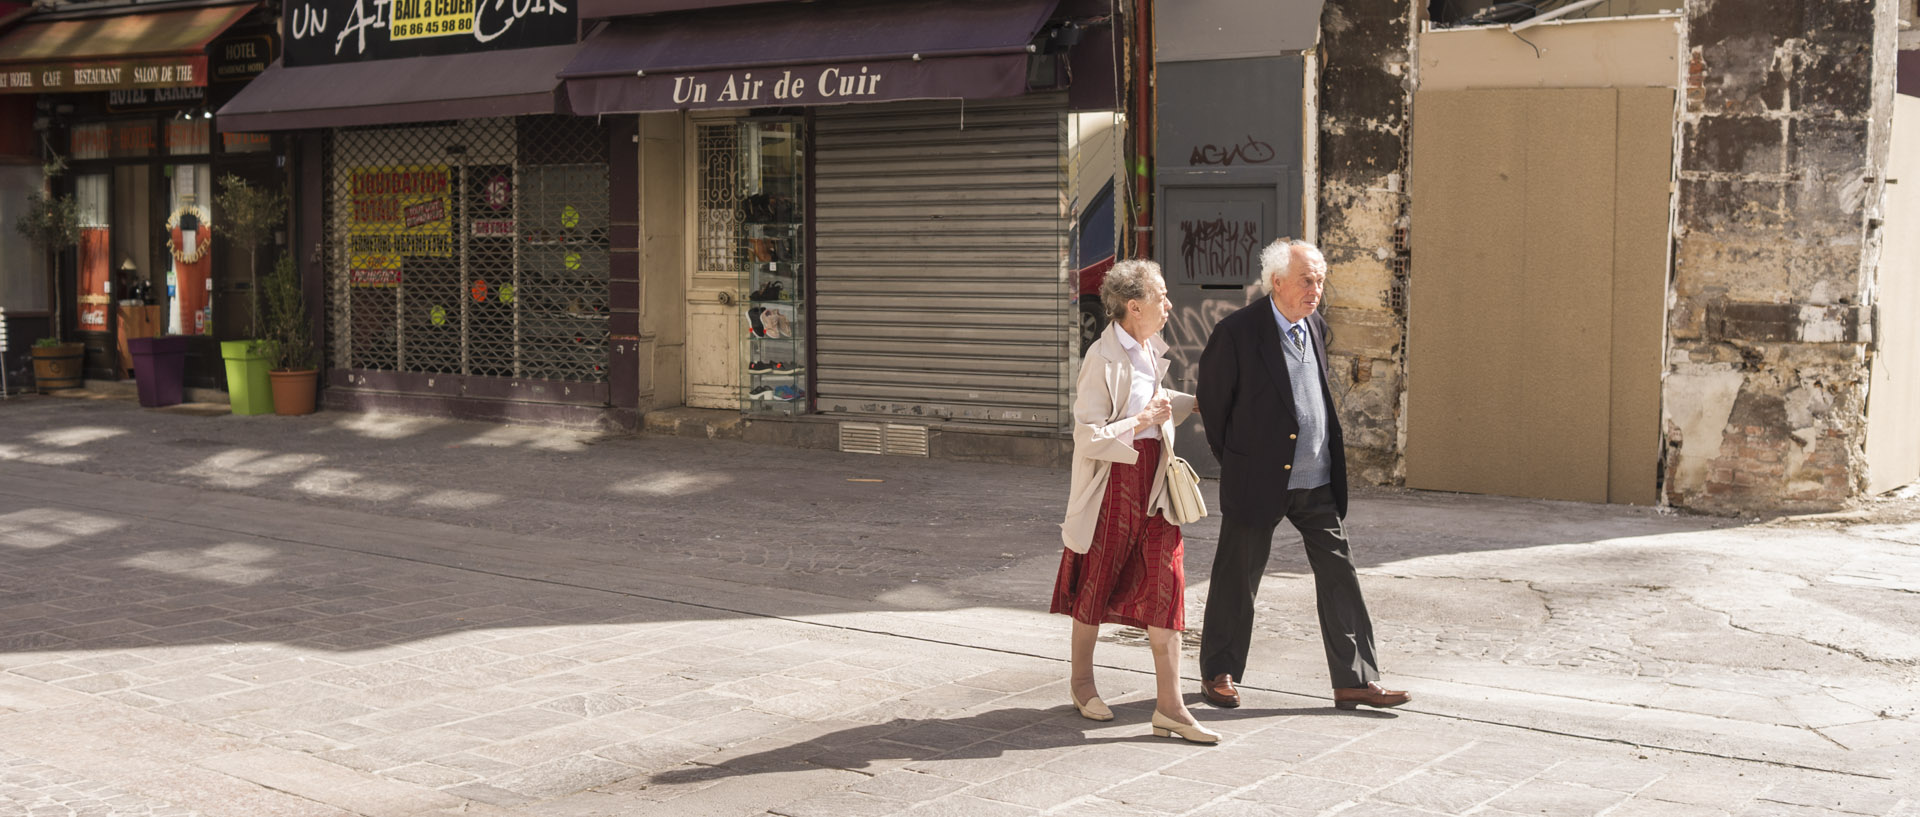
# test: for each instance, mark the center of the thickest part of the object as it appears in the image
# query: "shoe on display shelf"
(760, 393)
(759, 367)
(777, 325)
(788, 394)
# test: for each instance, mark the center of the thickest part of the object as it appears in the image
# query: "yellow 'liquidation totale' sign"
(397, 212)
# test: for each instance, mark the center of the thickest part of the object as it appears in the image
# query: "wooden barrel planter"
(58, 367)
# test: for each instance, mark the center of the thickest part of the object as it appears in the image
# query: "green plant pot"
(248, 388)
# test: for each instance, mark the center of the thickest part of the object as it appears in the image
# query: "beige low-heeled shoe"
(1166, 727)
(1094, 709)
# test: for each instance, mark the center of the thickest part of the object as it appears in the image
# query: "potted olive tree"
(248, 216)
(295, 371)
(53, 224)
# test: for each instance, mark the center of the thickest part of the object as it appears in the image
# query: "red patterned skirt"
(1135, 572)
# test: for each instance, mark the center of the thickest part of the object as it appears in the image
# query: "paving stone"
(1850, 800)
(1378, 809)
(563, 776)
(978, 768)
(1172, 795)
(1442, 791)
(1096, 806)
(1535, 797)
(1358, 768)
(1725, 790)
(840, 804)
(960, 805)
(1033, 789)
(908, 786)
(511, 723)
(1496, 761)
(1647, 807)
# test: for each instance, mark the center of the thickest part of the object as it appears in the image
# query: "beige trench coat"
(1099, 421)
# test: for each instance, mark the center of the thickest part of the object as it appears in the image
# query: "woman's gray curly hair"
(1127, 281)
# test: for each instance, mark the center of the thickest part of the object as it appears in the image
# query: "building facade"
(112, 105)
(1627, 255)
(848, 222)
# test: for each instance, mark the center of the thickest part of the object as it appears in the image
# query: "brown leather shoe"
(1219, 691)
(1372, 694)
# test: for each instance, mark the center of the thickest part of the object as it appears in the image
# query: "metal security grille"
(477, 247)
(719, 243)
(940, 252)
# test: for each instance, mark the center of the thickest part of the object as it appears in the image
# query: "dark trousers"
(1240, 561)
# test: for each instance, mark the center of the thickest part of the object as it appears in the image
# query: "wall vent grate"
(884, 438)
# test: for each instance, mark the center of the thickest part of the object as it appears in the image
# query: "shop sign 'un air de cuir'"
(321, 32)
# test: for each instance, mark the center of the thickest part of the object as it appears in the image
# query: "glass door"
(189, 238)
(773, 265)
(92, 196)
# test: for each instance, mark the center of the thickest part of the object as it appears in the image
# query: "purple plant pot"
(159, 367)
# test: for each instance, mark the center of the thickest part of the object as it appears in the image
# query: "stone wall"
(1365, 97)
(1783, 133)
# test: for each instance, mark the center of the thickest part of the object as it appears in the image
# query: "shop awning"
(415, 89)
(119, 52)
(822, 53)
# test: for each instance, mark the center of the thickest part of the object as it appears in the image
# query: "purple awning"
(414, 89)
(822, 53)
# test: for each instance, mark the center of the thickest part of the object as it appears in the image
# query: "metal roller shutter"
(940, 248)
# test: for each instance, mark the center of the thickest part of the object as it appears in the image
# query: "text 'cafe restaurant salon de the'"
(123, 95)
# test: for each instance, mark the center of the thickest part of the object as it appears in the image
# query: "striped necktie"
(1299, 337)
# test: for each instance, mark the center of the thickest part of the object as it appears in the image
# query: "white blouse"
(1144, 385)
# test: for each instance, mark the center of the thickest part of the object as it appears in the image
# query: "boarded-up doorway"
(1538, 290)
(1893, 395)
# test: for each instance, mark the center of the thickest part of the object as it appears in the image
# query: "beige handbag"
(1183, 494)
(1187, 506)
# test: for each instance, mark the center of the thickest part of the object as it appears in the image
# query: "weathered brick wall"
(1782, 136)
(1365, 93)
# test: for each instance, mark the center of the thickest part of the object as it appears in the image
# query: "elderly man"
(1271, 423)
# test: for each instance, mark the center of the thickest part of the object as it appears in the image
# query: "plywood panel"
(1643, 182)
(1621, 53)
(1469, 196)
(1566, 300)
(1537, 292)
(1893, 393)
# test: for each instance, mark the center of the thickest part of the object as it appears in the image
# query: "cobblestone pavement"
(355, 615)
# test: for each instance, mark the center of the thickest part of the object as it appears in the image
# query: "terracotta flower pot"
(293, 392)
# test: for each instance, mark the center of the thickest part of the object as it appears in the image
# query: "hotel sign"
(112, 75)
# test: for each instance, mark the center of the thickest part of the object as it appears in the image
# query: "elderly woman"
(1124, 560)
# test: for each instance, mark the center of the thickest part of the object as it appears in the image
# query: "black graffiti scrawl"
(1219, 248)
(1251, 152)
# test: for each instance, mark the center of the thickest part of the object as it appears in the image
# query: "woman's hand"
(1158, 410)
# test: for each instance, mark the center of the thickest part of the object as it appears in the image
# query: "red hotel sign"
(116, 75)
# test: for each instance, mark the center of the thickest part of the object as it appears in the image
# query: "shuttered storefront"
(940, 247)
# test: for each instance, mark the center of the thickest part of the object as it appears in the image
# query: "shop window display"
(771, 247)
(476, 248)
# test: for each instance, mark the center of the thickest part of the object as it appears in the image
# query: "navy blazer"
(1246, 405)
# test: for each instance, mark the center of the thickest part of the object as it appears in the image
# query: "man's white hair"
(1277, 258)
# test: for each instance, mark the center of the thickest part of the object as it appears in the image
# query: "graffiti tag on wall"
(1219, 248)
(1252, 152)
